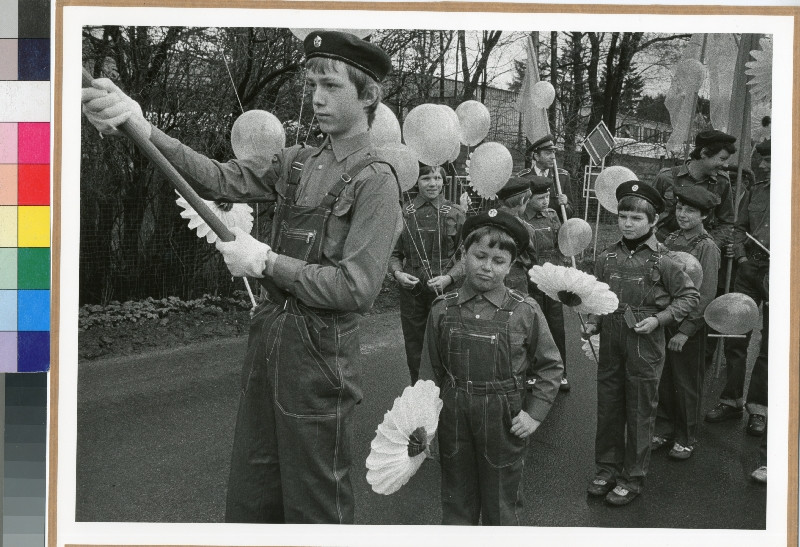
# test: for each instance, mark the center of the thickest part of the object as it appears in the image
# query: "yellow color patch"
(8, 226)
(34, 227)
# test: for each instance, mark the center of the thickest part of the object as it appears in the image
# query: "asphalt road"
(155, 434)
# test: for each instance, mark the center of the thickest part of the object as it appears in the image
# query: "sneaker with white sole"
(760, 474)
(621, 496)
(680, 452)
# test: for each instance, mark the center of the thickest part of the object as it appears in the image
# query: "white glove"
(107, 107)
(465, 201)
(245, 256)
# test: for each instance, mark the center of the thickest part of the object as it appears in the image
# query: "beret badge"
(492, 212)
(317, 41)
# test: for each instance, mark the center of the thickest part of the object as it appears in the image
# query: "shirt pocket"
(344, 204)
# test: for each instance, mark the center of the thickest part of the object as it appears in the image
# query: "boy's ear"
(370, 95)
(655, 220)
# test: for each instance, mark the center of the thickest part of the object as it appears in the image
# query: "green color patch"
(33, 268)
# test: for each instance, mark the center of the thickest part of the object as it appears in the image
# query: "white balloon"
(607, 182)
(385, 127)
(431, 131)
(404, 161)
(490, 168)
(455, 153)
(257, 134)
(474, 120)
(574, 236)
(301, 33)
(543, 94)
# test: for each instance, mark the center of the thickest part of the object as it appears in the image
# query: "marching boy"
(480, 343)
(424, 252)
(332, 232)
(543, 222)
(653, 292)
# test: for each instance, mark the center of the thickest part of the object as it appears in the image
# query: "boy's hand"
(562, 199)
(245, 256)
(523, 425)
(439, 283)
(407, 281)
(646, 325)
(107, 107)
(589, 330)
(676, 342)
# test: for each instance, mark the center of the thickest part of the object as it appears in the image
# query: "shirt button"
(478, 316)
(319, 166)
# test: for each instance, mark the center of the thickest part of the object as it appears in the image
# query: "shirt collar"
(419, 201)
(496, 296)
(684, 170)
(650, 242)
(343, 148)
(541, 172)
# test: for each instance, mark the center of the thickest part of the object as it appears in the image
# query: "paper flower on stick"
(594, 340)
(398, 448)
(231, 214)
(574, 288)
(760, 71)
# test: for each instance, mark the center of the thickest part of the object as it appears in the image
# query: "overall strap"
(344, 180)
(450, 309)
(296, 171)
(510, 303)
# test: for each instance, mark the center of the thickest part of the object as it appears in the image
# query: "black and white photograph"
(446, 270)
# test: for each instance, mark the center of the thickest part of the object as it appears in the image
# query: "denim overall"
(291, 453)
(482, 461)
(628, 374)
(680, 391)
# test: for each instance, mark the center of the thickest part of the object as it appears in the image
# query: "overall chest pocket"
(473, 353)
(296, 242)
(629, 288)
(543, 239)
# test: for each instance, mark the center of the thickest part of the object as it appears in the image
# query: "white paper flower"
(574, 288)
(231, 214)
(398, 448)
(594, 340)
(760, 71)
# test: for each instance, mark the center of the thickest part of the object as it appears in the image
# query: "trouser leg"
(757, 391)
(609, 444)
(458, 458)
(645, 360)
(688, 375)
(667, 397)
(415, 305)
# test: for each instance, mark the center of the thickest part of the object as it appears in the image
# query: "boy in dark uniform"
(333, 230)
(542, 154)
(543, 221)
(680, 391)
(753, 267)
(653, 292)
(480, 344)
(422, 256)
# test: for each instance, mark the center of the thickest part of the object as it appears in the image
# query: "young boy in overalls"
(423, 255)
(480, 344)
(680, 391)
(653, 292)
(334, 227)
(544, 223)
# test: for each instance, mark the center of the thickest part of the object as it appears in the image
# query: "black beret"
(545, 143)
(711, 136)
(499, 219)
(641, 190)
(539, 185)
(514, 186)
(349, 49)
(764, 148)
(696, 196)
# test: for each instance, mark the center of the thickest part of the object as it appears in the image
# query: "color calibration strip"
(24, 185)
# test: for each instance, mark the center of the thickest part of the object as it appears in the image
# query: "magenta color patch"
(8, 352)
(34, 142)
(8, 143)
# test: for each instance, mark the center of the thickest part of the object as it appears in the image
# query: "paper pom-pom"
(398, 448)
(574, 288)
(760, 71)
(231, 214)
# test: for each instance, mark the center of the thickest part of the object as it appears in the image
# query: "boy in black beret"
(752, 259)
(653, 292)
(481, 342)
(334, 226)
(681, 387)
(542, 154)
(543, 222)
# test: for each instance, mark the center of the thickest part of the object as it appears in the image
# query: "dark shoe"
(723, 412)
(565, 386)
(600, 487)
(756, 425)
(680, 452)
(620, 496)
(658, 441)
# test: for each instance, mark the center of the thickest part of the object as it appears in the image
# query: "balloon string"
(232, 82)
(300, 118)
(308, 134)
(423, 255)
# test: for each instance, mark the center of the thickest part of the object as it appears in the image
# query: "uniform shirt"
(543, 227)
(360, 232)
(719, 222)
(533, 352)
(563, 180)
(429, 217)
(708, 255)
(753, 218)
(673, 293)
